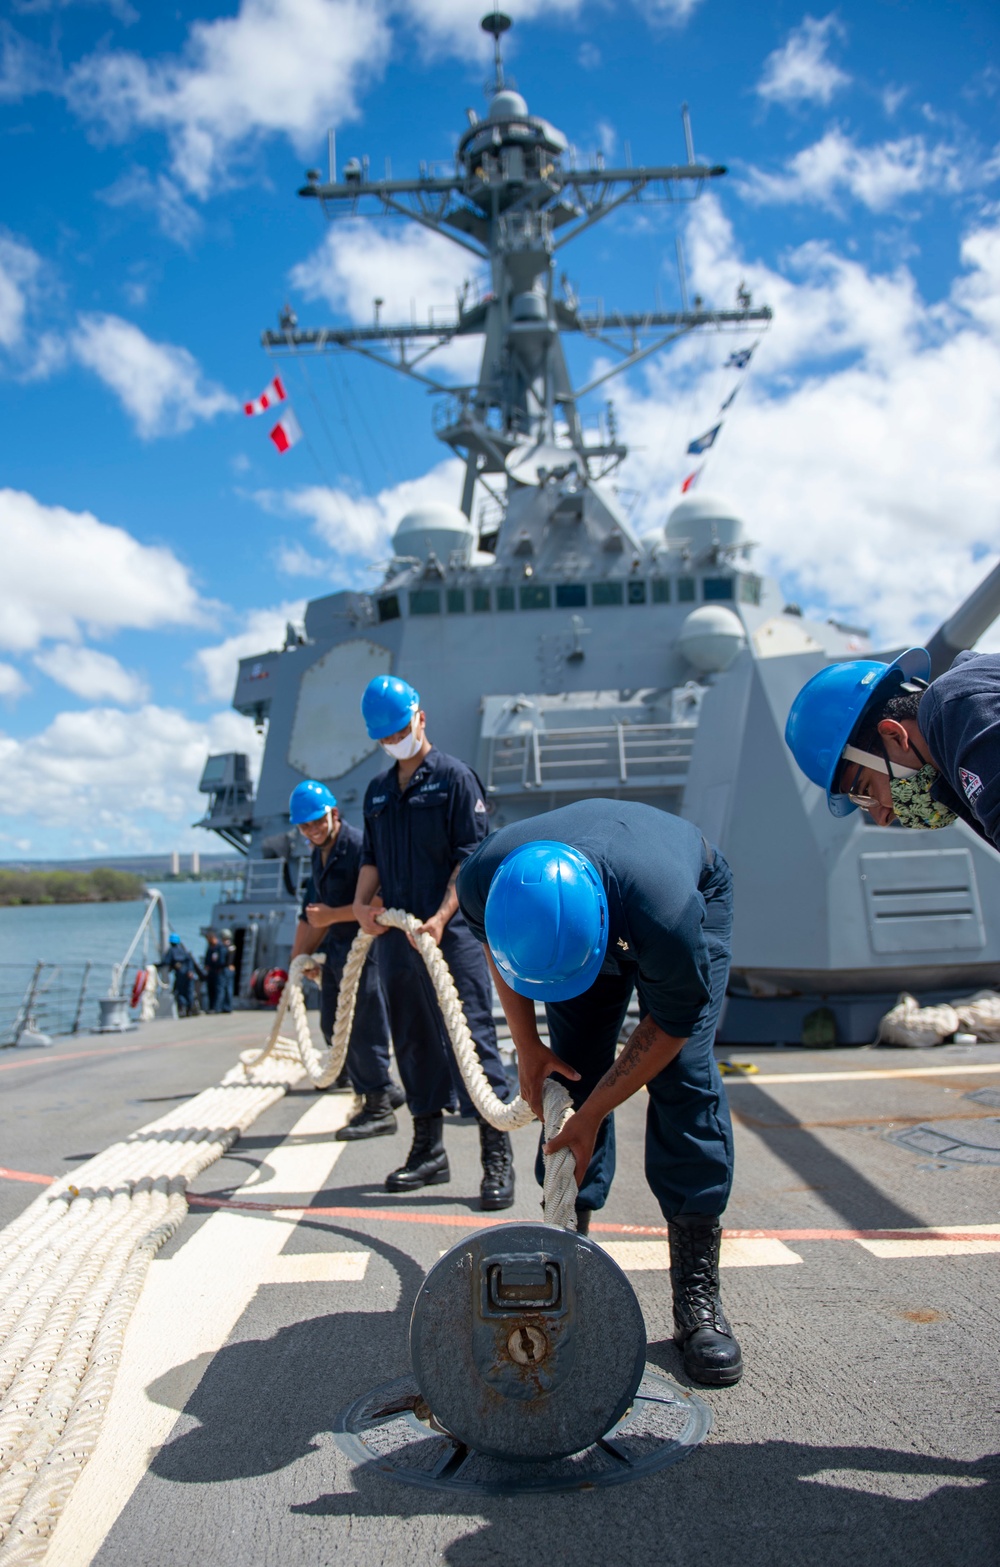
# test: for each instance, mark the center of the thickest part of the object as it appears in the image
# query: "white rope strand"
(324, 1067)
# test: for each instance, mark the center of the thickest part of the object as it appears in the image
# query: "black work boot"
(343, 1084)
(711, 1353)
(395, 1095)
(426, 1163)
(496, 1189)
(374, 1119)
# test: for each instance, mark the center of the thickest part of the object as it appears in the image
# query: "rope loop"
(324, 1067)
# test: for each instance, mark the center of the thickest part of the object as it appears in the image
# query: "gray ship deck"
(866, 1427)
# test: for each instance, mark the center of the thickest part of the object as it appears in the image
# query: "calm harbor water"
(73, 934)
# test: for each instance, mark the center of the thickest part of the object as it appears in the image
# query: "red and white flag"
(690, 481)
(287, 431)
(273, 393)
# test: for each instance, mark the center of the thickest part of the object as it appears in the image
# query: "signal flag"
(287, 432)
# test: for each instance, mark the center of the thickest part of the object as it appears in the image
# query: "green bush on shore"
(100, 886)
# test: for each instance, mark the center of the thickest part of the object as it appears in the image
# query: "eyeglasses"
(864, 802)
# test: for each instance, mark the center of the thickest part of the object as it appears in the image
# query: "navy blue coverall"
(216, 966)
(415, 840)
(182, 965)
(959, 717)
(670, 913)
(334, 884)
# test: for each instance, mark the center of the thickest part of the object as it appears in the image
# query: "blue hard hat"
(547, 921)
(174, 940)
(388, 705)
(829, 707)
(309, 801)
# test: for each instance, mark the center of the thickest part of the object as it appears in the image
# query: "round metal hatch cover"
(393, 1429)
(527, 1341)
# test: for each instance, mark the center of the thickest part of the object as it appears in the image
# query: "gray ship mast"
(514, 200)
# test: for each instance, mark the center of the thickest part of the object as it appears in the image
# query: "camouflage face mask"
(912, 803)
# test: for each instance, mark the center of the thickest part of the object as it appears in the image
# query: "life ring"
(137, 989)
(267, 984)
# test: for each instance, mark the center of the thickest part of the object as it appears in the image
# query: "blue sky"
(151, 533)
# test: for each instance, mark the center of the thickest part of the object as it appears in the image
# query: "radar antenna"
(513, 199)
(496, 24)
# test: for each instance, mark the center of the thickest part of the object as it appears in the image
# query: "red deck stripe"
(26, 1175)
(483, 1221)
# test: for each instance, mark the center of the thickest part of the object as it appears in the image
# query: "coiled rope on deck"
(72, 1266)
(559, 1191)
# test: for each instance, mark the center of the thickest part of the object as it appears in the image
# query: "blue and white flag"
(740, 359)
(729, 400)
(704, 441)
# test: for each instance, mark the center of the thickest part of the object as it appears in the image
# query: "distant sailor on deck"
(422, 819)
(877, 737)
(179, 962)
(327, 924)
(578, 908)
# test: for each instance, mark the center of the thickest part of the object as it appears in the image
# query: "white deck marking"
(971, 1069)
(646, 1256)
(189, 1305)
(935, 1248)
(318, 1267)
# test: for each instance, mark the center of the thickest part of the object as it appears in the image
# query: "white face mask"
(404, 750)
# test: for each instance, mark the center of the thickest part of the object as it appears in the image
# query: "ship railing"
(41, 1000)
(618, 756)
(280, 881)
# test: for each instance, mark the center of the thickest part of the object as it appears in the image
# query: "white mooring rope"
(559, 1191)
(71, 1269)
(72, 1265)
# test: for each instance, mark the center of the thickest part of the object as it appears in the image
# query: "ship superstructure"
(561, 653)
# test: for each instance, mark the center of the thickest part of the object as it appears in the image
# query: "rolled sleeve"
(674, 980)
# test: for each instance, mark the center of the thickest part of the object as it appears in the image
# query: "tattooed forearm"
(648, 1051)
(644, 1039)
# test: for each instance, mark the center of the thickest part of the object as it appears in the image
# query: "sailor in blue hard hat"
(327, 924)
(423, 817)
(577, 909)
(179, 962)
(879, 738)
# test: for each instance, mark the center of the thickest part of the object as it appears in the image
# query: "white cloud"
(19, 272)
(800, 72)
(63, 571)
(358, 262)
(863, 451)
(160, 386)
(24, 69)
(355, 532)
(104, 772)
(277, 66)
(95, 676)
(26, 283)
(162, 196)
(263, 631)
(877, 176)
(408, 269)
(455, 23)
(12, 683)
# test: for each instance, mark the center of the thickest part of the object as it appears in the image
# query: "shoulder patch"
(972, 784)
(480, 808)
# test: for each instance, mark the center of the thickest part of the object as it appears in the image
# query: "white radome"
(703, 520)
(438, 528)
(710, 638)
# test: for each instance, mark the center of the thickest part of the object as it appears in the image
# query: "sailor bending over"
(327, 924)
(422, 819)
(877, 737)
(577, 909)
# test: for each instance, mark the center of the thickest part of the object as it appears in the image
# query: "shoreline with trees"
(24, 888)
